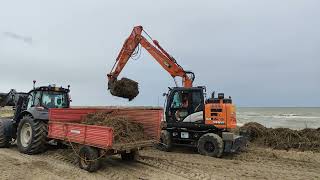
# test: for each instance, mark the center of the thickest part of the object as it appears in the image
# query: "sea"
(286, 117)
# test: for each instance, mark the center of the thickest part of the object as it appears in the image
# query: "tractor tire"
(31, 136)
(165, 141)
(132, 156)
(88, 159)
(5, 138)
(210, 144)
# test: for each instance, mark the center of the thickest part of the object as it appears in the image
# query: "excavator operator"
(180, 103)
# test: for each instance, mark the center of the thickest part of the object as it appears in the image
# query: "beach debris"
(125, 130)
(125, 88)
(283, 138)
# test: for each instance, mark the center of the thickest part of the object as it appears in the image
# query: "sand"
(182, 163)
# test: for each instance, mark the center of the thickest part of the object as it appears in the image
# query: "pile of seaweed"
(125, 88)
(124, 130)
(283, 138)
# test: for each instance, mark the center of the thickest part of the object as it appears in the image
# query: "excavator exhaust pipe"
(125, 88)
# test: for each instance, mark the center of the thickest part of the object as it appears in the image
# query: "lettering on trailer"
(75, 131)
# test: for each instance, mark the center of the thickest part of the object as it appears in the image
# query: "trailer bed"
(91, 135)
(65, 125)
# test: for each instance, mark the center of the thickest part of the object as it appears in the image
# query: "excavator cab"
(185, 105)
(188, 107)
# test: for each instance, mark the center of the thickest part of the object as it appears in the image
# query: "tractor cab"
(48, 97)
(39, 100)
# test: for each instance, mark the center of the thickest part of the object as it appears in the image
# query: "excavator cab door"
(185, 105)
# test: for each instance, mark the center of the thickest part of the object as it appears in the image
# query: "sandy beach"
(256, 163)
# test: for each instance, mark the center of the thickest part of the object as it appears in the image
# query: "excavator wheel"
(31, 136)
(5, 132)
(210, 144)
(165, 143)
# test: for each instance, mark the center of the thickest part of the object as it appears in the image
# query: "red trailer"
(94, 141)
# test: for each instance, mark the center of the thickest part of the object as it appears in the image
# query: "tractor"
(29, 125)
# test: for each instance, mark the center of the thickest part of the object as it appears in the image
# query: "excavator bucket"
(125, 88)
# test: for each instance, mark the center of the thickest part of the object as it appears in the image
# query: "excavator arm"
(156, 51)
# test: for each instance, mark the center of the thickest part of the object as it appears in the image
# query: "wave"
(294, 117)
(290, 115)
(249, 114)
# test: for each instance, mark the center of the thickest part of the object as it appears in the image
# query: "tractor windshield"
(51, 99)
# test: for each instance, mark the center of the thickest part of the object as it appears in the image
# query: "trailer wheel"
(210, 144)
(31, 136)
(132, 156)
(165, 141)
(5, 135)
(88, 159)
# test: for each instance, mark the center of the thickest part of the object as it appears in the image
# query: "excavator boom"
(156, 51)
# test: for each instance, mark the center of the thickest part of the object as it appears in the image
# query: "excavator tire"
(31, 136)
(165, 141)
(210, 144)
(5, 138)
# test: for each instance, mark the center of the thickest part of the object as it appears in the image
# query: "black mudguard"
(239, 143)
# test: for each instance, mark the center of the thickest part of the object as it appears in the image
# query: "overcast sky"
(262, 53)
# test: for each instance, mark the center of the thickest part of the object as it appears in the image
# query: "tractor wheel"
(132, 156)
(88, 159)
(165, 141)
(5, 136)
(31, 136)
(210, 144)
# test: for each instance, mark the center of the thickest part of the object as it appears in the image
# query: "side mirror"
(164, 94)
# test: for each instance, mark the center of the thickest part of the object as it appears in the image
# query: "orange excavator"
(191, 119)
